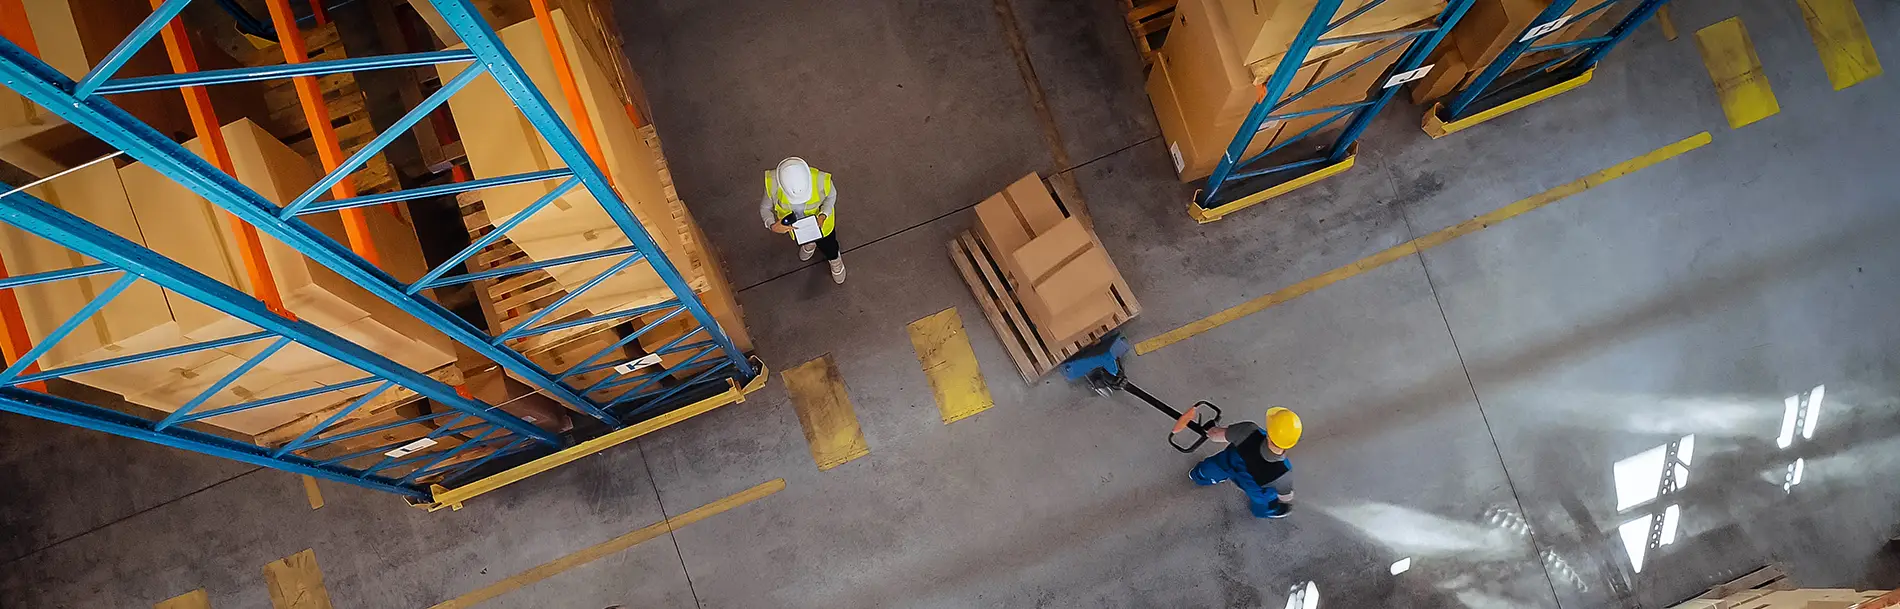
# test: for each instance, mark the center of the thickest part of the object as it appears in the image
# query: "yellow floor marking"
(943, 349)
(1736, 70)
(1667, 22)
(311, 492)
(831, 426)
(296, 582)
(1420, 244)
(612, 546)
(1842, 40)
(195, 599)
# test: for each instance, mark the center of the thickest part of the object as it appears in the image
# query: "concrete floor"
(1465, 407)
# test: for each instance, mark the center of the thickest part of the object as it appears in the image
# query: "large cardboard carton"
(1201, 90)
(1352, 86)
(1008, 220)
(1264, 29)
(1086, 276)
(1448, 70)
(499, 141)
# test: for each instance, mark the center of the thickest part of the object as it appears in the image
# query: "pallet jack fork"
(1100, 366)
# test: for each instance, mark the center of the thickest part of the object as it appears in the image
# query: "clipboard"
(806, 230)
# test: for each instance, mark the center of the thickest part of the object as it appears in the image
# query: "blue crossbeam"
(438, 190)
(52, 276)
(381, 141)
(279, 71)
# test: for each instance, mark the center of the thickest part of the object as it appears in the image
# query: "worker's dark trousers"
(1227, 465)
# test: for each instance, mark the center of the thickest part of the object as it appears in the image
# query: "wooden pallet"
(1033, 355)
(349, 112)
(1753, 585)
(1148, 23)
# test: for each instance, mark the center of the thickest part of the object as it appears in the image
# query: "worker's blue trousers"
(1227, 465)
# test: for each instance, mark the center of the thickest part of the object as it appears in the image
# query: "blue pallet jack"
(1100, 367)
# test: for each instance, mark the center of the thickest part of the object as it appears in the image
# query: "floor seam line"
(1108, 154)
(126, 517)
(668, 518)
(1425, 269)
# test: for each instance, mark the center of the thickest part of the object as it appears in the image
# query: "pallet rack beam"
(1499, 88)
(1212, 201)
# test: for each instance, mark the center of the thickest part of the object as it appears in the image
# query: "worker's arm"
(1238, 430)
(824, 207)
(766, 215)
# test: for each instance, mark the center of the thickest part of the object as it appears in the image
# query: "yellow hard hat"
(1283, 427)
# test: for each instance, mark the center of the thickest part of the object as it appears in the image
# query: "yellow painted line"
(1842, 40)
(824, 410)
(612, 546)
(1438, 128)
(1420, 244)
(454, 497)
(1667, 22)
(943, 350)
(195, 599)
(311, 492)
(296, 583)
(1203, 215)
(1736, 70)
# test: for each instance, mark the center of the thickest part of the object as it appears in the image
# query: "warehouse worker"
(1255, 459)
(796, 191)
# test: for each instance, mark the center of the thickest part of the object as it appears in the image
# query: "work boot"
(837, 271)
(806, 251)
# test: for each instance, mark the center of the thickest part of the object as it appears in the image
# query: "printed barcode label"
(1407, 76)
(1174, 149)
(410, 448)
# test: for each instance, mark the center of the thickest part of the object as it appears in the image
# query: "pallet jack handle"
(1100, 366)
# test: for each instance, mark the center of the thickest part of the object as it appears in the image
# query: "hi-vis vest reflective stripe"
(782, 205)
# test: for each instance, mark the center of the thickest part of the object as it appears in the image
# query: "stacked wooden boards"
(1208, 74)
(1042, 277)
(1482, 35)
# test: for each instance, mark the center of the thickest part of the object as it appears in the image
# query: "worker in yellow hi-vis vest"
(800, 201)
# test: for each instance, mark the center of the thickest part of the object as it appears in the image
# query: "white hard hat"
(794, 178)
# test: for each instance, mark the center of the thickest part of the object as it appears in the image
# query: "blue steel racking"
(1209, 202)
(1484, 97)
(487, 433)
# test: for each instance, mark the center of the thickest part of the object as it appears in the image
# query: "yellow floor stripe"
(1668, 23)
(296, 583)
(943, 349)
(1736, 70)
(1842, 40)
(824, 410)
(195, 599)
(612, 546)
(1420, 244)
(311, 492)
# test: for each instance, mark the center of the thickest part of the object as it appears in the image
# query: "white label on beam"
(410, 448)
(644, 361)
(1540, 31)
(1408, 76)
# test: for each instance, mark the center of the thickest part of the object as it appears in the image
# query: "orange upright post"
(14, 340)
(205, 121)
(317, 113)
(564, 72)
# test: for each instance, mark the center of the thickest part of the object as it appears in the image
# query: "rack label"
(410, 448)
(1408, 76)
(644, 361)
(1540, 31)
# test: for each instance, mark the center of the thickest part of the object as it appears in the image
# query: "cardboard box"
(1072, 325)
(1011, 218)
(499, 141)
(1448, 70)
(1262, 30)
(1084, 277)
(1034, 261)
(1201, 90)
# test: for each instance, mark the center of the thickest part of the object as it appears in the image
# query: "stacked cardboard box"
(499, 141)
(137, 203)
(1205, 77)
(1055, 267)
(1482, 35)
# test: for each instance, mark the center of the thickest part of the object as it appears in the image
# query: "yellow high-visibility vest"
(782, 205)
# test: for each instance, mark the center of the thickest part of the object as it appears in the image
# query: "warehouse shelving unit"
(1500, 89)
(623, 404)
(1234, 186)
